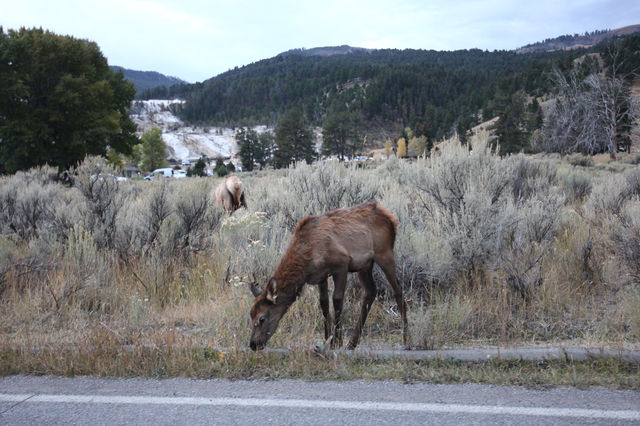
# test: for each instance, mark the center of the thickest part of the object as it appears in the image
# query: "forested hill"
(588, 39)
(145, 80)
(434, 93)
(429, 91)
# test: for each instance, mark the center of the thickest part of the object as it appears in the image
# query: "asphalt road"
(83, 400)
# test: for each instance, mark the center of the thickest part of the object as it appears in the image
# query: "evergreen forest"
(434, 93)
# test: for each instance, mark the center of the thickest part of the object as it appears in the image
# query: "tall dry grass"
(490, 250)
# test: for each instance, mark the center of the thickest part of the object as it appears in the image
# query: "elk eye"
(261, 319)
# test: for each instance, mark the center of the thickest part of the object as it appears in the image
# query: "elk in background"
(229, 194)
(341, 241)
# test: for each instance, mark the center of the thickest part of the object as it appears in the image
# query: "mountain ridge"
(577, 41)
(145, 80)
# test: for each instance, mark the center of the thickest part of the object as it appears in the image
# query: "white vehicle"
(186, 163)
(102, 176)
(178, 174)
(164, 172)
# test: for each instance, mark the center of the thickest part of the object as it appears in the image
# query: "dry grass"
(98, 357)
(522, 251)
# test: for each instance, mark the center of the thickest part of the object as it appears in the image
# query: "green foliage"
(433, 92)
(115, 160)
(267, 148)
(340, 134)
(418, 145)
(135, 158)
(517, 122)
(59, 101)
(153, 150)
(294, 140)
(221, 168)
(255, 149)
(198, 169)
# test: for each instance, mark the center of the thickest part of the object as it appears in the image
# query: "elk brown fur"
(339, 242)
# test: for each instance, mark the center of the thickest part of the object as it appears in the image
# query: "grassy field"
(109, 278)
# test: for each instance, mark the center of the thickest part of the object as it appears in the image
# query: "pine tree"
(250, 148)
(198, 169)
(267, 148)
(294, 140)
(221, 168)
(340, 134)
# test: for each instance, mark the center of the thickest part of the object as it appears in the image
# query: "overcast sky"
(198, 39)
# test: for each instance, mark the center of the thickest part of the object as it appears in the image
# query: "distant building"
(132, 171)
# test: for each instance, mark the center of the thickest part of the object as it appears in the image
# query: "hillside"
(327, 51)
(145, 80)
(184, 142)
(577, 41)
(435, 94)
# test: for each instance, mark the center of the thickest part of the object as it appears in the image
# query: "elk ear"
(271, 291)
(255, 290)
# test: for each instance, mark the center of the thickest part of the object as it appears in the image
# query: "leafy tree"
(402, 148)
(115, 159)
(388, 147)
(294, 140)
(59, 101)
(135, 158)
(417, 145)
(153, 150)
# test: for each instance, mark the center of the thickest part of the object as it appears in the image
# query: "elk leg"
(388, 266)
(324, 305)
(369, 287)
(339, 286)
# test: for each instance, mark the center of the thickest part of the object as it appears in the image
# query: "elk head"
(265, 313)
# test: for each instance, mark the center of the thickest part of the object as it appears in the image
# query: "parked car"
(164, 172)
(102, 176)
(179, 174)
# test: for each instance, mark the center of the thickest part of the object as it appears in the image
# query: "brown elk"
(341, 241)
(229, 194)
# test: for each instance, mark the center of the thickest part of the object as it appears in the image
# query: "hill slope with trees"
(432, 92)
(145, 80)
(435, 94)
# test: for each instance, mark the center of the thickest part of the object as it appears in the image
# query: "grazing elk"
(341, 241)
(229, 194)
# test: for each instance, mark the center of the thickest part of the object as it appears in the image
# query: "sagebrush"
(490, 250)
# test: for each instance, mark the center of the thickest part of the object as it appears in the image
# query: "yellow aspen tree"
(402, 148)
(417, 145)
(388, 148)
